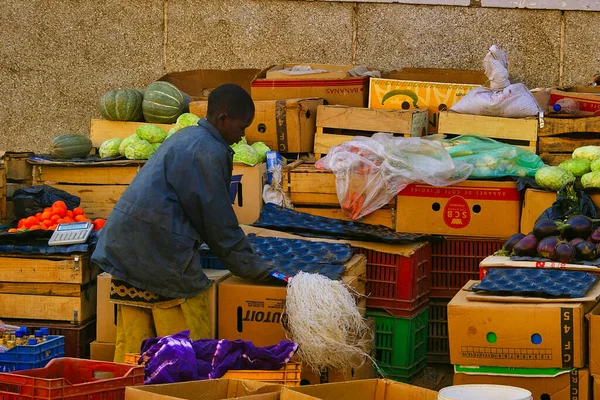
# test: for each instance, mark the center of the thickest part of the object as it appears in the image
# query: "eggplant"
(526, 247)
(586, 250)
(511, 242)
(578, 226)
(576, 241)
(565, 252)
(546, 227)
(595, 238)
(546, 248)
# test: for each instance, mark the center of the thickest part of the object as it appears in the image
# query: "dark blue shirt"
(178, 200)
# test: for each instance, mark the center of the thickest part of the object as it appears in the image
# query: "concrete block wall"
(58, 57)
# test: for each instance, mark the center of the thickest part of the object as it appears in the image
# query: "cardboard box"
(430, 93)
(216, 389)
(347, 91)
(102, 351)
(200, 82)
(565, 385)
(217, 276)
(106, 326)
(441, 75)
(543, 334)
(594, 320)
(253, 311)
(371, 389)
(286, 126)
(249, 202)
(589, 103)
(596, 388)
(536, 202)
(321, 71)
(469, 208)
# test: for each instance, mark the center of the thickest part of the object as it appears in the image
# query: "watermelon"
(163, 103)
(70, 145)
(121, 105)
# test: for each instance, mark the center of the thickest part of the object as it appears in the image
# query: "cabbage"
(151, 133)
(244, 153)
(261, 149)
(577, 166)
(187, 119)
(127, 141)
(595, 165)
(587, 152)
(173, 130)
(110, 148)
(591, 180)
(155, 146)
(140, 150)
(553, 178)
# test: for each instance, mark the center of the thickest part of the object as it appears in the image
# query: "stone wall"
(58, 57)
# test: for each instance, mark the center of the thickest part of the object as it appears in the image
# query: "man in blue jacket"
(178, 200)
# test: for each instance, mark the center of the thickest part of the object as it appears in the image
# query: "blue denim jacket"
(179, 199)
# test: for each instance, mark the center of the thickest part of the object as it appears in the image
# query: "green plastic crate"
(400, 342)
(404, 375)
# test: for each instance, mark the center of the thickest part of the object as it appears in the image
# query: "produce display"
(51, 217)
(583, 169)
(249, 154)
(70, 145)
(122, 105)
(567, 242)
(163, 103)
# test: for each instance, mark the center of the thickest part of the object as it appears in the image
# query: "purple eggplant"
(526, 247)
(595, 238)
(578, 226)
(545, 228)
(576, 241)
(586, 250)
(511, 242)
(565, 252)
(546, 248)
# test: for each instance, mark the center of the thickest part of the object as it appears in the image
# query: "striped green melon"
(163, 103)
(122, 105)
(70, 145)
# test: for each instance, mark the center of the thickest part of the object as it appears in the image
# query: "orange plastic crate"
(132, 358)
(72, 379)
(289, 375)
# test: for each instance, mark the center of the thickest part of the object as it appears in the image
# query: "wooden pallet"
(101, 129)
(17, 167)
(560, 136)
(338, 124)
(522, 132)
(59, 288)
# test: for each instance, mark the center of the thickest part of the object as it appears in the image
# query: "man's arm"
(202, 188)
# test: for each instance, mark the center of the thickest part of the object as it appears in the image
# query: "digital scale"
(73, 233)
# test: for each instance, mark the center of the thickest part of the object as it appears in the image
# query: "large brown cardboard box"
(217, 276)
(346, 91)
(200, 82)
(102, 351)
(215, 389)
(469, 208)
(569, 385)
(249, 202)
(106, 323)
(518, 332)
(596, 388)
(370, 389)
(594, 321)
(286, 126)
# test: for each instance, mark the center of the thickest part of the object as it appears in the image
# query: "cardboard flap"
(199, 83)
(216, 389)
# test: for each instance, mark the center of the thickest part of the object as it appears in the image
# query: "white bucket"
(484, 392)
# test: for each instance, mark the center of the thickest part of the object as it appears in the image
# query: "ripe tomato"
(78, 211)
(59, 204)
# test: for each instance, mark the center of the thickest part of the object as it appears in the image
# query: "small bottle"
(45, 333)
(18, 338)
(32, 342)
(38, 336)
(566, 106)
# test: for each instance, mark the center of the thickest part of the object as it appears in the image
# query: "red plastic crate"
(454, 262)
(398, 284)
(72, 379)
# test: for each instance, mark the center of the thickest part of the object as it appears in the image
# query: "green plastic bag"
(492, 159)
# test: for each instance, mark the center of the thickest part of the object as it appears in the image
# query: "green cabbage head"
(126, 142)
(577, 166)
(187, 119)
(553, 178)
(140, 150)
(151, 133)
(110, 148)
(587, 152)
(261, 149)
(591, 180)
(245, 153)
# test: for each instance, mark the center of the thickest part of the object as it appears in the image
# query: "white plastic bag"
(502, 99)
(371, 171)
(274, 193)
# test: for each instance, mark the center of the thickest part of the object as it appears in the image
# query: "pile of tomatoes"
(51, 217)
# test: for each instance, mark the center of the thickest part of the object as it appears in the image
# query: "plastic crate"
(132, 358)
(404, 375)
(400, 343)
(72, 379)
(210, 261)
(438, 350)
(289, 375)
(454, 262)
(21, 358)
(398, 284)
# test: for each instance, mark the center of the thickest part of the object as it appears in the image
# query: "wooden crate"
(17, 167)
(560, 136)
(522, 132)
(101, 129)
(59, 288)
(338, 124)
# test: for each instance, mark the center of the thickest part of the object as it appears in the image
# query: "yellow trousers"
(135, 324)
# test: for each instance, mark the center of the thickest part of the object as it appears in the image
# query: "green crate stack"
(400, 344)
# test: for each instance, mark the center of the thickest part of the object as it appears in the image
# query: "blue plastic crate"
(210, 261)
(28, 357)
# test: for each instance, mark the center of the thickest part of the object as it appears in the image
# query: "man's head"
(231, 111)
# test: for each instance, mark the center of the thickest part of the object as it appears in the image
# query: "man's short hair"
(230, 99)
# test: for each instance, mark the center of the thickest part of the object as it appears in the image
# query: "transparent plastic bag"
(492, 159)
(371, 171)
